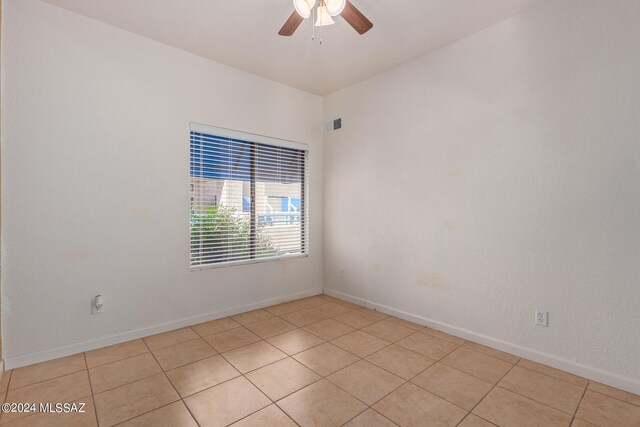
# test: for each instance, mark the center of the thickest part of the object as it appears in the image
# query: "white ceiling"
(243, 33)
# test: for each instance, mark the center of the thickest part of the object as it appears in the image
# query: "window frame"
(304, 193)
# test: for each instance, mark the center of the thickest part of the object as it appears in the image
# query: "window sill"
(250, 261)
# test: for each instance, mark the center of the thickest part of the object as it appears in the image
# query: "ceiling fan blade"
(355, 18)
(291, 25)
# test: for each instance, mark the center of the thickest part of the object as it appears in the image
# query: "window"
(248, 197)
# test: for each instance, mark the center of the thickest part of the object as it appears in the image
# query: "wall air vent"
(333, 125)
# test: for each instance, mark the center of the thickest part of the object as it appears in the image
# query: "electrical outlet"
(341, 273)
(542, 318)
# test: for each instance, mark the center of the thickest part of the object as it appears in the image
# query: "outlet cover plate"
(542, 318)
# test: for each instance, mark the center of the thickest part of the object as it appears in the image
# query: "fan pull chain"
(313, 25)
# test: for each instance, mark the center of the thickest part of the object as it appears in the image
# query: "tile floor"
(317, 361)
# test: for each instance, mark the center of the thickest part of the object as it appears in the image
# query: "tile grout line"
(390, 343)
(48, 379)
(545, 404)
(114, 361)
(551, 376)
(95, 409)
(6, 391)
(584, 392)
(611, 397)
(487, 394)
(350, 309)
(459, 345)
(174, 388)
(414, 331)
(180, 399)
(217, 354)
(325, 377)
(176, 344)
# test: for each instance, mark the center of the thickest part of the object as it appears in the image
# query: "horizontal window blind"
(247, 198)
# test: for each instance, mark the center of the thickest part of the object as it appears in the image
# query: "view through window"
(247, 197)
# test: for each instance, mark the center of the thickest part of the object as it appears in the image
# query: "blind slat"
(247, 200)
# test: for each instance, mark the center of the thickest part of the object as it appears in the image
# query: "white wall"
(498, 175)
(95, 174)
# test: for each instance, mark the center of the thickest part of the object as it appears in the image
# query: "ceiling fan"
(325, 10)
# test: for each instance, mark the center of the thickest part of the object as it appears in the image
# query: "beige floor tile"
(302, 317)
(455, 386)
(443, 336)
(479, 365)
(505, 408)
(183, 354)
(116, 352)
(330, 309)
(271, 416)
(412, 406)
(195, 377)
(47, 370)
(284, 308)
(431, 347)
(325, 359)
(614, 392)
(366, 381)
(401, 361)
(388, 330)
(527, 393)
(122, 372)
(544, 389)
(475, 421)
(122, 403)
(492, 352)
(355, 319)
(232, 339)
(348, 304)
(329, 329)
(59, 419)
(370, 418)
(253, 356)
(321, 404)
(173, 415)
(406, 323)
(68, 388)
(327, 298)
(226, 403)
(374, 314)
(360, 343)
(312, 301)
(270, 327)
(580, 423)
(282, 378)
(606, 411)
(552, 372)
(252, 317)
(295, 341)
(167, 339)
(215, 326)
(4, 380)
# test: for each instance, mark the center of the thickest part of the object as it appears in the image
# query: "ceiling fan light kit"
(304, 7)
(323, 17)
(324, 12)
(335, 7)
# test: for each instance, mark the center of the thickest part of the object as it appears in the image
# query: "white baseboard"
(595, 374)
(43, 356)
